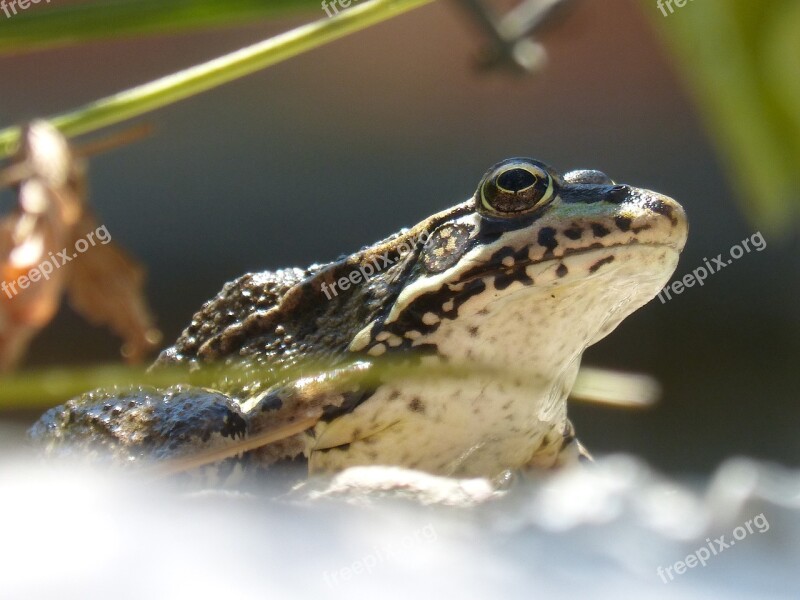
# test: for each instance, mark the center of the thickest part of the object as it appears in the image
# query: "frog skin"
(523, 276)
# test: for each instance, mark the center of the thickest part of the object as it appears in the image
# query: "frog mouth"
(505, 275)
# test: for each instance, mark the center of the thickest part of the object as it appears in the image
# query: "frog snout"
(664, 216)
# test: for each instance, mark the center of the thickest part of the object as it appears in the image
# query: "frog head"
(530, 271)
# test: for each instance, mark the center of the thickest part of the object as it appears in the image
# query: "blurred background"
(343, 145)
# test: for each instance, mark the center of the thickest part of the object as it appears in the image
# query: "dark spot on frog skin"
(416, 405)
(234, 426)
(473, 331)
(624, 223)
(432, 302)
(657, 206)
(599, 230)
(547, 238)
(424, 349)
(562, 270)
(504, 280)
(574, 232)
(600, 263)
(271, 402)
(349, 403)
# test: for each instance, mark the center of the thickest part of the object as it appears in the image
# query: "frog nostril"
(618, 194)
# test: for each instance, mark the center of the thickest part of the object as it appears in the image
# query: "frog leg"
(184, 427)
(559, 448)
(128, 425)
(280, 422)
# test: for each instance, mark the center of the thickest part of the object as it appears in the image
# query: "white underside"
(480, 426)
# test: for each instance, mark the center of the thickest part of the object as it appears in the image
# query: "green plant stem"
(184, 84)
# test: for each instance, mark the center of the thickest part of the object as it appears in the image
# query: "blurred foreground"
(599, 532)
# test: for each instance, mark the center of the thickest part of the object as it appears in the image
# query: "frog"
(522, 277)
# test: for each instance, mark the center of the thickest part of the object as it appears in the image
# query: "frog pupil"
(515, 180)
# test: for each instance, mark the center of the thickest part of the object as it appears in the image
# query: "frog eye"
(515, 186)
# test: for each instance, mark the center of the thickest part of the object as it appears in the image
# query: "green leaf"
(178, 86)
(47, 387)
(49, 25)
(742, 60)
